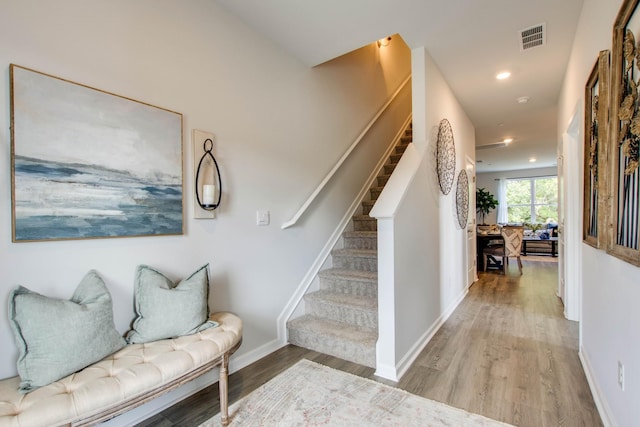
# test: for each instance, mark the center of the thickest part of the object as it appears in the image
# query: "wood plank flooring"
(506, 352)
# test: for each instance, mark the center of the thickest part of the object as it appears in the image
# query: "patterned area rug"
(309, 394)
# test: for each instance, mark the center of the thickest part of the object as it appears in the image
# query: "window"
(533, 200)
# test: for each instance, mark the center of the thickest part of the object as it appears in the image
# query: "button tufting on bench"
(135, 371)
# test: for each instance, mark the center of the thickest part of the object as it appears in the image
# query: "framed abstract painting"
(86, 163)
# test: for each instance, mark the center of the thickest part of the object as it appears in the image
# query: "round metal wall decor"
(446, 156)
(462, 198)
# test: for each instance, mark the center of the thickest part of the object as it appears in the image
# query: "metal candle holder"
(208, 147)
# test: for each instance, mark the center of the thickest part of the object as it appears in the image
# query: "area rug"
(309, 394)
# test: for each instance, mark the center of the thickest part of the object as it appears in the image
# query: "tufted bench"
(124, 380)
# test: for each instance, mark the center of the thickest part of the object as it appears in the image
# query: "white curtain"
(503, 216)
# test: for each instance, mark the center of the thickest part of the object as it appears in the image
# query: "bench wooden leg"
(224, 389)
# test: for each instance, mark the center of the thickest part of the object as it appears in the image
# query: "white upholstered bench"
(124, 380)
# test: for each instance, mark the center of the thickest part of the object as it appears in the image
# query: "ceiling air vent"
(533, 37)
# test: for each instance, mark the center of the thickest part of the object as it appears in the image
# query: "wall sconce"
(384, 42)
(207, 176)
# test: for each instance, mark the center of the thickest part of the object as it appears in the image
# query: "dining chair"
(512, 247)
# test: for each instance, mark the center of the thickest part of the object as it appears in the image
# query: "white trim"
(598, 396)
(572, 201)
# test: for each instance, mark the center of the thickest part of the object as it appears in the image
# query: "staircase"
(341, 318)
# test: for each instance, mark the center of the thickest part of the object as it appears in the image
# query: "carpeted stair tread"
(319, 325)
(357, 259)
(352, 301)
(349, 281)
(364, 276)
(361, 240)
(365, 223)
(362, 234)
(348, 342)
(345, 308)
(358, 253)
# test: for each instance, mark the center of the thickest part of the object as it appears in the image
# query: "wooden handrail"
(335, 168)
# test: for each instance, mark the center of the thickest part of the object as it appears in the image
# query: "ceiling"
(470, 40)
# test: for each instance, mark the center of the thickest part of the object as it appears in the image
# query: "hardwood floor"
(506, 352)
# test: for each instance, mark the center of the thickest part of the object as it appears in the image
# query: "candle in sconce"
(207, 195)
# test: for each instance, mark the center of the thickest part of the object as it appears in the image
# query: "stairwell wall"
(426, 278)
(279, 128)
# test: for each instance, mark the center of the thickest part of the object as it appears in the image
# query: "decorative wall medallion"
(462, 198)
(446, 156)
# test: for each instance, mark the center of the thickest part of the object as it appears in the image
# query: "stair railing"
(342, 159)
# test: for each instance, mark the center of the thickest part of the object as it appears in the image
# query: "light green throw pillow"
(55, 337)
(168, 310)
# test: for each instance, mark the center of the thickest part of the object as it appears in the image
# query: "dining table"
(482, 241)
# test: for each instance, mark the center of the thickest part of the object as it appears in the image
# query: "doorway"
(472, 274)
(569, 231)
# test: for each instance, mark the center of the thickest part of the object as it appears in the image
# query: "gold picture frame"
(623, 240)
(596, 131)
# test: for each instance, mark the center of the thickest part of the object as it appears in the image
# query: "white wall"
(489, 181)
(610, 287)
(279, 129)
(422, 249)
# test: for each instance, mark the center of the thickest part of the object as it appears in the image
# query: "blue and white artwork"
(89, 164)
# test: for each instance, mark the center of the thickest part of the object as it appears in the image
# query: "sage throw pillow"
(167, 310)
(55, 337)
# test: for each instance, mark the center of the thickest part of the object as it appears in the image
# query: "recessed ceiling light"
(523, 100)
(507, 140)
(532, 160)
(503, 75)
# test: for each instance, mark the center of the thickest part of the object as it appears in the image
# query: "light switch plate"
(262, 217)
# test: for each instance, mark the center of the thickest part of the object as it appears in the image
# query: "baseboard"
(598, 397)
(395, 373)
(246, 359)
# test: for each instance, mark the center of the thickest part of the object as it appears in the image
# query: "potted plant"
(485, 202)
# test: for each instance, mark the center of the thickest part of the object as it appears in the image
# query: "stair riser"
(388, 168)
(350, 287)
(367, 206)
(408, 137)
(400, 149)
(382, 180)
(355, 263)
(395, 158)
(375, 193)
(369, 243)
(369, 224)
(337, 348)
(340, 313)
